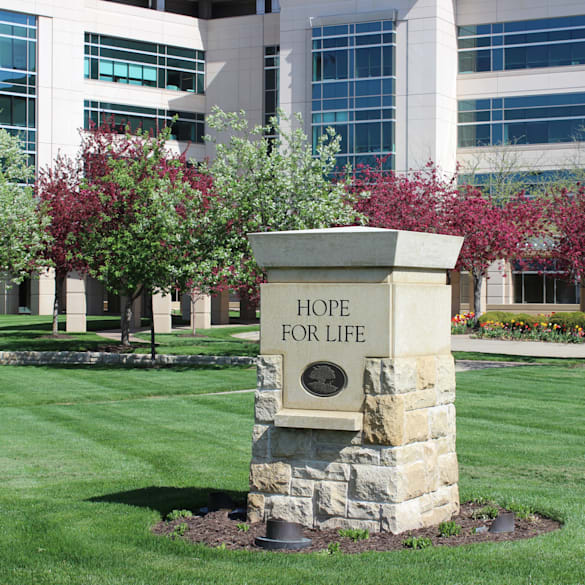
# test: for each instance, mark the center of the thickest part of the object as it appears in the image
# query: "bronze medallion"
(323, 379)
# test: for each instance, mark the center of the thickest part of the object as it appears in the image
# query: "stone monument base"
(398, 473)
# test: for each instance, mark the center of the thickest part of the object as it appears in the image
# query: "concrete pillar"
(161, 312)
(220, 308)
(43, 293)
(200, 310)
(345, 350)
(8, 298)
(76, 321)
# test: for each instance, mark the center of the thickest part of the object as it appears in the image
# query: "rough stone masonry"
(378, 451)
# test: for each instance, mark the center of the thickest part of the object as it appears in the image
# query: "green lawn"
(33, 333)
(89, 461)
(216, 341)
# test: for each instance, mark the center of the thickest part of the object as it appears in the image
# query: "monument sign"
(355, 422)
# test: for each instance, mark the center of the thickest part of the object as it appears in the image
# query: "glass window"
(551, 44)
(335, 64)
(135, 62)
(368, 65)
(368, 62)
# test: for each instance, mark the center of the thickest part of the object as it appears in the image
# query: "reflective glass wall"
(353, 89)
(147, 64)
(18, 78)
(271, 81)
(188, 127)
(534, 119)
(547, 42)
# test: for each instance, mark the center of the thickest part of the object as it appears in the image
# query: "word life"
(325, 332)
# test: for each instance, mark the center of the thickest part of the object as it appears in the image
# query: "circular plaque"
(323, 379)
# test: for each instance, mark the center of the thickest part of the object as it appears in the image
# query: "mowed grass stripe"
(31, 385)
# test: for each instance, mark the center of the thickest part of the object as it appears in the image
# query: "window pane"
(517, 288)
(388, 53)
(120, 70)
(368, 137)
(368, 62)
(106, 68)
(187, 82)
(135, 72)
(335, 64)
(173, 80)
(6, 52)
(149, 74)
(19, 54)
(18, 111)
(533, 288)
(5, 110)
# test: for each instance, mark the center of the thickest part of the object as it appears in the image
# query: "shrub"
(497, 316)
(415, 542)
(568, 320)
(355, 533)
(176, 514)
(449, 529)
(485, 513)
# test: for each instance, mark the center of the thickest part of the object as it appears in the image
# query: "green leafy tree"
(267, 184)
(22, 220)
(147, 208)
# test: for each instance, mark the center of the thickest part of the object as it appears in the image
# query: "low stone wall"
(43, 358)
(399, 473)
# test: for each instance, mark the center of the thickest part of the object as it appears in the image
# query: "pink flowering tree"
(148, 230)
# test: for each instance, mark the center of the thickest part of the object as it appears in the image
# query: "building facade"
(452, 81)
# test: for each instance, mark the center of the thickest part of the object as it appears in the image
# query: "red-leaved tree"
(424, 201)
(149, 233)
(566, 211)
(492, 231)
(57, 188)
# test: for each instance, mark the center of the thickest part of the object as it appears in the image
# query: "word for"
(328, 333)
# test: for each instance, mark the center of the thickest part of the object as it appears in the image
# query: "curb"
(45, 358)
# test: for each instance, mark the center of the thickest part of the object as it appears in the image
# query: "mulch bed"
(218, 529)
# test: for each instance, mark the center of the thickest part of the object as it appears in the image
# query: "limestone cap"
(355, 246)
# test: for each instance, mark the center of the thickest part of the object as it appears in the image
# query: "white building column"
(76, 321)
(200, 310)
(161, 313)
(42, 293)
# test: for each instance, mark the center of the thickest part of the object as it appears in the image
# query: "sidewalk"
(524, 348)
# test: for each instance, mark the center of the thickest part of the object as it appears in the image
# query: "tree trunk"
(59, 280)
(477, 282)
(125, 319)
(152, 343)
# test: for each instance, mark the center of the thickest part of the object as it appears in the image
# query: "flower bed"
(462, 323)
(556, 327)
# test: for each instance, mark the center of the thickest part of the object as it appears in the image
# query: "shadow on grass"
(167, 499)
